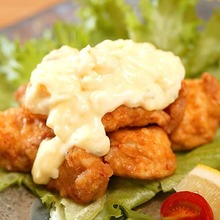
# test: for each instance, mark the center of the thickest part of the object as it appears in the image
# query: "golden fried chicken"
(82, 177)
(124, 116)
(20, 136)
(143, 153)
(202, 114)
(168, 118)
(176, 109)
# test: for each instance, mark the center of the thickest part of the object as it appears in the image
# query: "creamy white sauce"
(76, 88)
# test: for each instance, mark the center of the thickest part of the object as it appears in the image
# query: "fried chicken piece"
(202, 114)
(168, 118)
(124, 116)
(143, 153)
(20, 136)
(82, 177)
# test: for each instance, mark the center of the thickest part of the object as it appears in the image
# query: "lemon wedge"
(205, 181)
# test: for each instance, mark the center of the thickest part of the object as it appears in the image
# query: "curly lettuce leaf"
(170, 25)
(206, 54)
(9, 67)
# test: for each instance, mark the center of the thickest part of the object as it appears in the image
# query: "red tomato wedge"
(186, 205)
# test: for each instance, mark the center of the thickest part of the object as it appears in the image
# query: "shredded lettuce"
(170, 25)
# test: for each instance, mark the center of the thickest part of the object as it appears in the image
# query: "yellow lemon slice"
(205, 181)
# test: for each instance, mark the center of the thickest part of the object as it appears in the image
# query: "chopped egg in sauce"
(76, 88)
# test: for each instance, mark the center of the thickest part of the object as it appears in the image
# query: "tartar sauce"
(76, 88)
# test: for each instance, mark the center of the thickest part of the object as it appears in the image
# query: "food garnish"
(205, 181)
(186, 205)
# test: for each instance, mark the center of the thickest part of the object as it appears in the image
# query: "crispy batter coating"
(143, 153)
(168, 118)
(202, 114)
(176, 109)
(82, 177)
(124, 116)
(20, 136)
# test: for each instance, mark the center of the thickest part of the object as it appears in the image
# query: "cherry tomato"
(186, 205)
